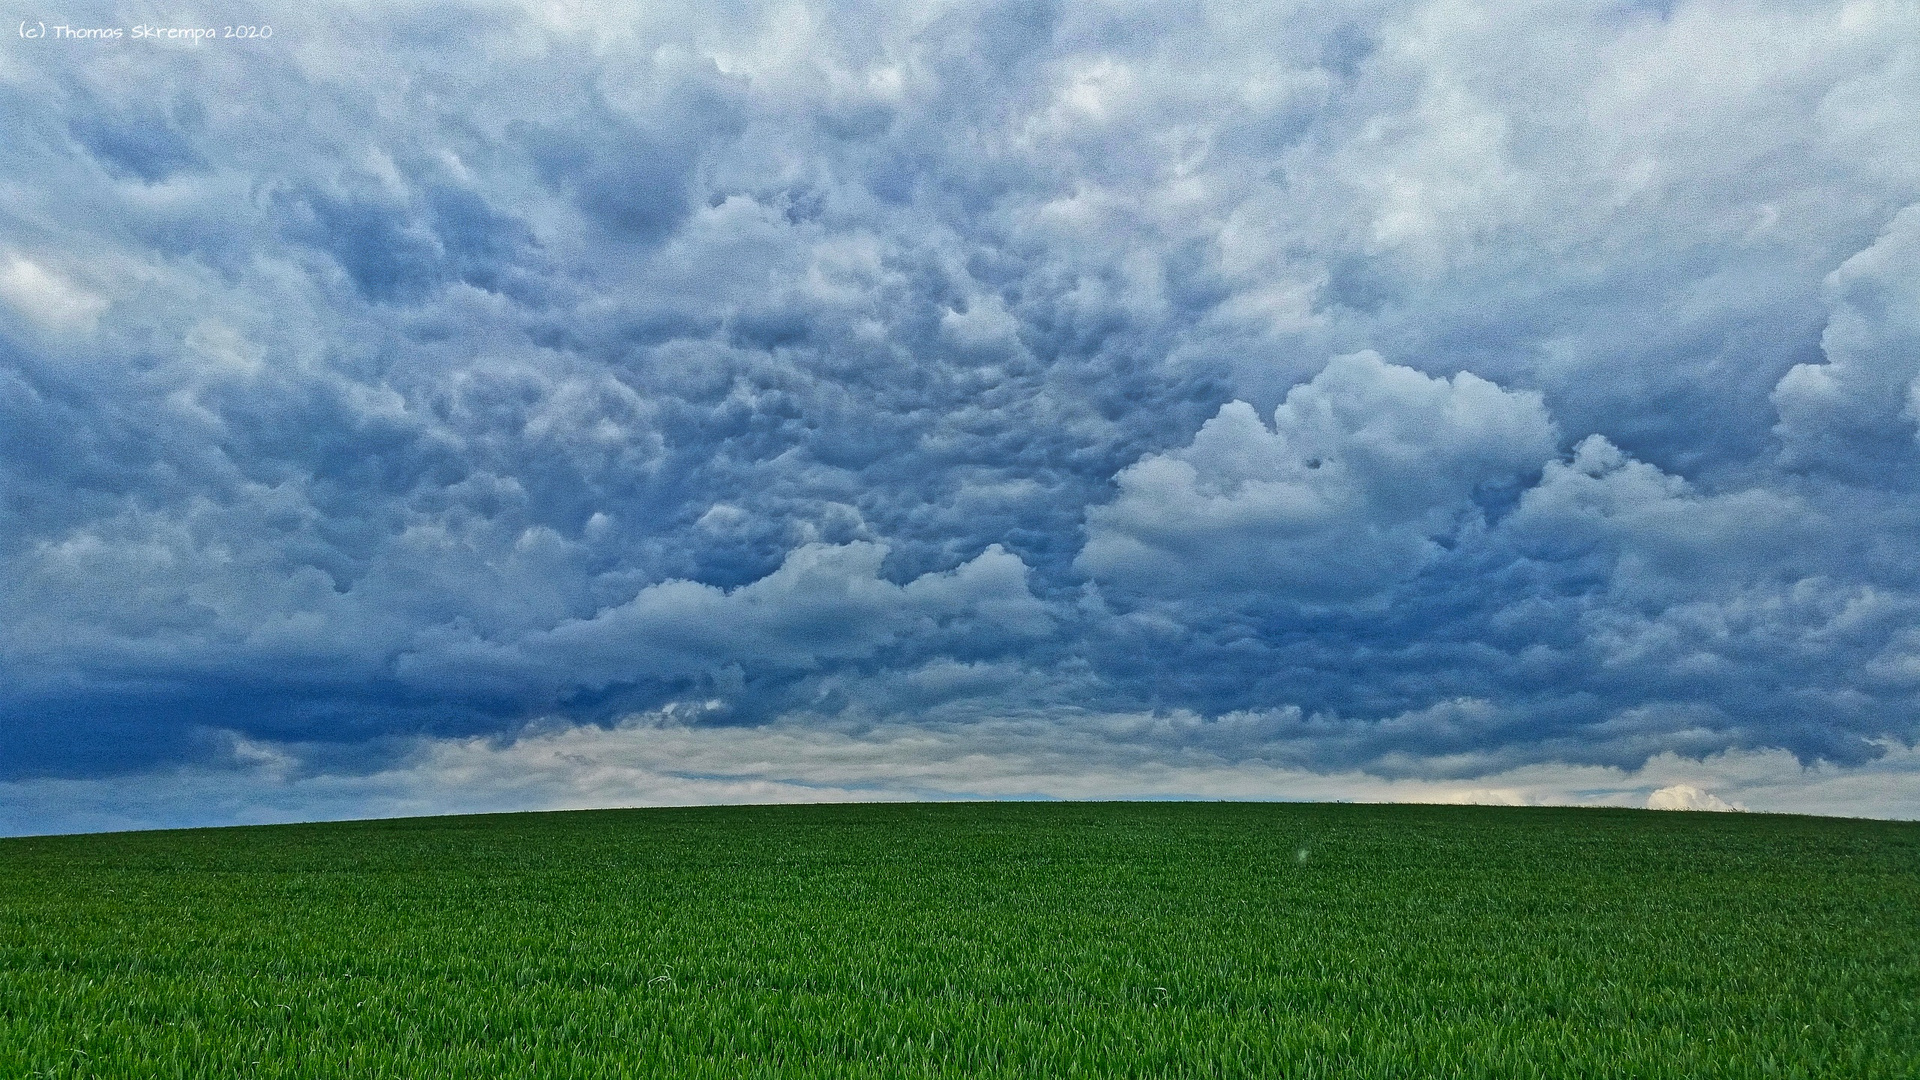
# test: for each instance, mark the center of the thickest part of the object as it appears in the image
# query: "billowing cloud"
(1369, 472)
(1392, 392)
(1855, 413)
(1687, 797)
(824, 604)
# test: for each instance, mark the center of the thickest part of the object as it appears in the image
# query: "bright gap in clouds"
(404, 413)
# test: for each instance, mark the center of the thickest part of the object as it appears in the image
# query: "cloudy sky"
(438, 407)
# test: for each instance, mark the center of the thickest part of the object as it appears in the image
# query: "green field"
(1008, 939)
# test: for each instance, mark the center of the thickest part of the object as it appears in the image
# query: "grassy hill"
(1134, 939)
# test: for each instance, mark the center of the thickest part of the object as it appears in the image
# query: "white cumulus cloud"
(1687, 797)
(1367, 470)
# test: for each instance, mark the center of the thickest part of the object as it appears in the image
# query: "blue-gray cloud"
(1392, 387)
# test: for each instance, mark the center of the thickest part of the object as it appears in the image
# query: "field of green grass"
(1017, 940)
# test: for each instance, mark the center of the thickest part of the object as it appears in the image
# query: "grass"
(1141, 939)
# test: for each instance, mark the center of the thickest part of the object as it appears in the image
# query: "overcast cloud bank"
(406, 412)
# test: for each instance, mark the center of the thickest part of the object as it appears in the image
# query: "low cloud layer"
(672, 759)
(1390, 396)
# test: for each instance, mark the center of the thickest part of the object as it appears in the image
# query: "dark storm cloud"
(1396, 387)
